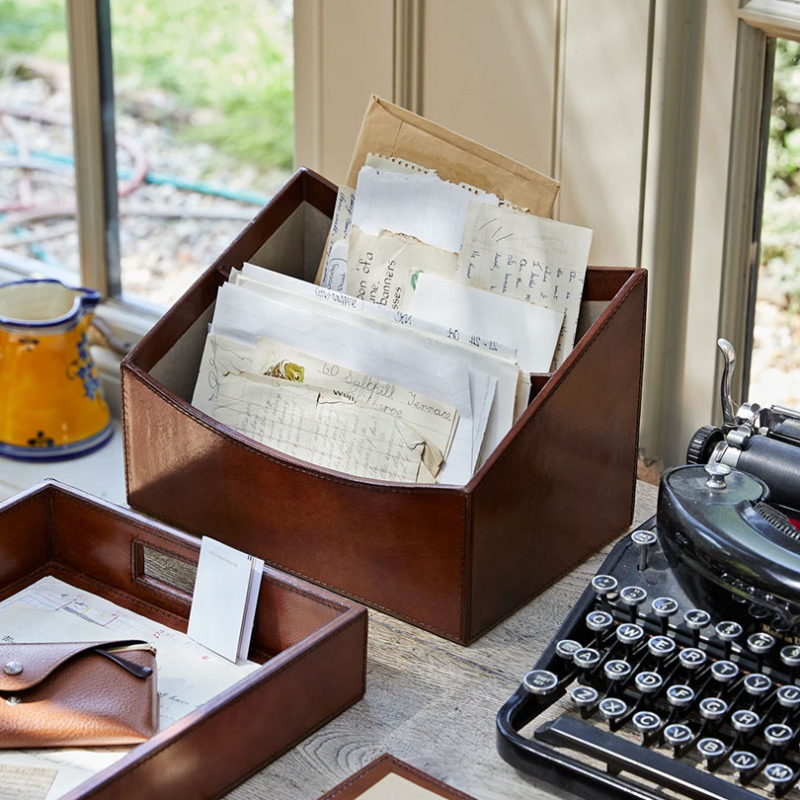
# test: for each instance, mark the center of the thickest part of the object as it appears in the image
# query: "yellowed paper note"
(25, 783)
(530, 258)
(384, 269)
(396, 787)
(324, 427)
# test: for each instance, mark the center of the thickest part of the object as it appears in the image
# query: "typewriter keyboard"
(642, 688)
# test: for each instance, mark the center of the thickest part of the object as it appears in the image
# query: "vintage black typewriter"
(677, 674)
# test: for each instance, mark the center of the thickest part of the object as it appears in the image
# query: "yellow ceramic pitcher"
(51, 406)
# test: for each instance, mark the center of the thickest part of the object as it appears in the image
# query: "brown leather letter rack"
(453, 560)
(311, 645)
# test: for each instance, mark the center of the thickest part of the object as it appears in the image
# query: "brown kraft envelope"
(391, 131)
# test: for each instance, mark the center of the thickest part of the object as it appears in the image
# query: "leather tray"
(452, 560)
(356, 785)
(312, 645)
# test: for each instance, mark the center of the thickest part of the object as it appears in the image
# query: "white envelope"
(533, 330)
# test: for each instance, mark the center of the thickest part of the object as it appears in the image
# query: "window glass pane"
(37, 185)
(775, 362)
(204, 120)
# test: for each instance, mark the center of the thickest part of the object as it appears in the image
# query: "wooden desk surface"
(433, 703)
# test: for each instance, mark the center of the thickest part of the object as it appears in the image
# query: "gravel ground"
(168, 235)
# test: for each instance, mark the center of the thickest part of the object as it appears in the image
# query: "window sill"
(101, 473)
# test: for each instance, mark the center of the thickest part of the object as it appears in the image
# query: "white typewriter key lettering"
(743, 761)
(646, 721)
(760, 642)
(789, 696)
(540, 681)
(713, 708)
(617, 669)
(567, 648)
(728, 631)
(664, 606)
(586, 657)
(778, 734)
(745, 721)
(710, 748)
(629, 633)
(724, 671)
(633, 595)
(610, 708)
(757, 684)
(648, 682)
(677, 734)
(583, 696)
(661, 646)
(790, 655)
(680, 695)
(599, 620)
(779, 774)
(696, 618)
(692, 658)
(604, 584)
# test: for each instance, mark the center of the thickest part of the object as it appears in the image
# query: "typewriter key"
(646, 722)
(617, 670)
(629, 633)
(779, 775)
(584, 697)
(567, 648)
(728, 632)
(789, 696)
(643, 541)
(599, 622)
(661, 647)
(778, 734)
(790, 656)
(633, 597)
(692, 658)
(710, 749)
(696, 619)
(757, 684)
(743, 763)
(760, 644)
(677, 734)
(664, 608)
(680, 695)
(540, 682)
(745, 721)
(612, 708)
(586, 658)
(713, 709)
(648, 682)
(724, 671)
(604, 585)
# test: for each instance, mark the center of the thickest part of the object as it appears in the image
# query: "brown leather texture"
(311, 644)
(356, 785)
(68, 695)
(452, 560)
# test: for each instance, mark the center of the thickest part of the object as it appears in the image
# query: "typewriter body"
(677, 673)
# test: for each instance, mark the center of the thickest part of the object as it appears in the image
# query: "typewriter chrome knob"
(779, 775)
(648, 682)
(599, 621)
(612, 708)
(540, 682)
(724, 671)
(745, 721)
(778, 734)
(680, 695)
(717, 473)
(695, 620)
(789, 696)
(713, 708)
(757, 685)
